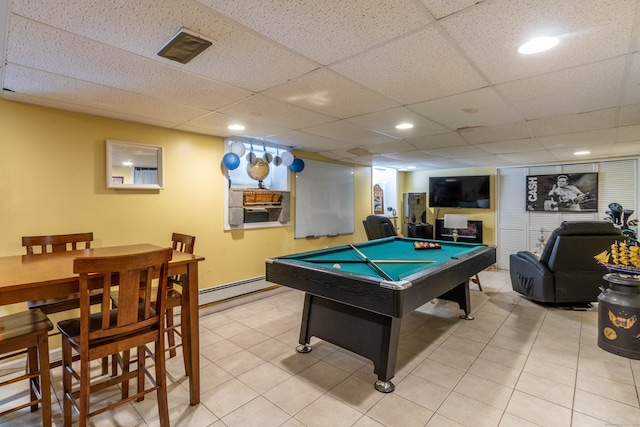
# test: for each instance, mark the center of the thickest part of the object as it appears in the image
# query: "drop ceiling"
(335, 77)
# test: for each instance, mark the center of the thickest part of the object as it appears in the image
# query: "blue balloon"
(297, 165)
(231, 161)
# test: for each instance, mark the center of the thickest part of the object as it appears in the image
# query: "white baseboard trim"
(231, 290)
(222, 297)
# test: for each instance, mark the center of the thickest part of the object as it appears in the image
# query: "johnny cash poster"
(576, 192)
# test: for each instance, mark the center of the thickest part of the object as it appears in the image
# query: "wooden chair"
(29, 330)
(182, 243)
(36, 245)
(39, 245)
(110, 332)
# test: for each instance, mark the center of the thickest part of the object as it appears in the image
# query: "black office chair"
(378, 227)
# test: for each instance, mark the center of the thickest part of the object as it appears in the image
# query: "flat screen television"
(460, 191)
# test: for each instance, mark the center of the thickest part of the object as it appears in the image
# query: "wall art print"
(577, 192)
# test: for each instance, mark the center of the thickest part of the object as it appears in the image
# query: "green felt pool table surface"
(397, 249)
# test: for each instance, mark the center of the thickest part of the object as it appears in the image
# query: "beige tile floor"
(516, 364)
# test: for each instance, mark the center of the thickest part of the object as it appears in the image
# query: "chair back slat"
(57, 243)
(130, 273)
(183, 242)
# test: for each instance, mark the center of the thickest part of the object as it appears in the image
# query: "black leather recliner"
(566, 271)
(378, 226)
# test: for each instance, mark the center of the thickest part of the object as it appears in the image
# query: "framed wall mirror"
(134, 166)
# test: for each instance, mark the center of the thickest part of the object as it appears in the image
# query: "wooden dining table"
(31, 277)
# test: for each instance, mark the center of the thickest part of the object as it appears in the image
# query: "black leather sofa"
(566, 271)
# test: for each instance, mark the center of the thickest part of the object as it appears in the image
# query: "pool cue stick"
(403, 261)
(378, 261)
(372, 264)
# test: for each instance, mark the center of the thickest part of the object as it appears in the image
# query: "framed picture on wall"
(378, 200)
(562, 192)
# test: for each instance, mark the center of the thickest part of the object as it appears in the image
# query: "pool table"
(356, 295)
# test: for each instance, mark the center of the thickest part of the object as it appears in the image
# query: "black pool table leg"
(371, 335)
(305, 337)
(462, 296)
(386, 364)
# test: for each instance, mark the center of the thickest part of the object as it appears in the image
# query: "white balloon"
(251, 158)
(238, 148)
(287, 158)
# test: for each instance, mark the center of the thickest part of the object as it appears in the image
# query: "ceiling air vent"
(184, 46)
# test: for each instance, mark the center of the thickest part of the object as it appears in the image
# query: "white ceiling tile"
(529, 158)
(578, 139)
(486, 161)
(412, 69)
(626, 149)
(428, 162)
(329, 93)
(491, 33)
(628, 133)
(332, 155)
(575, 90)
(442, 163)
(261, 109)
(85, 109)
(629, 115)
(570, 123)
(595, 152)
(306, 140)
(345, 28)
(348, 132)
(261, 64)
(631, 90)
(250, 62)
(441, 8)
(482, 107)
(509, 131)
(463, 151)
(451, 139)
(390, 147)
(386, 121)
(45, 48)
(217, 124)
(505, 147)
(45, 85)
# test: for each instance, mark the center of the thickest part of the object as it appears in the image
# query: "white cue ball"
(336, 265)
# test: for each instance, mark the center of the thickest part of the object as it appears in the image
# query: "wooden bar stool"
(182, 243)
(476, 280)
(29, 330)
(114, 332)
(39, 245)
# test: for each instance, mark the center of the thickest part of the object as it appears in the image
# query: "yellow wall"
(418, 182)
(53, 181)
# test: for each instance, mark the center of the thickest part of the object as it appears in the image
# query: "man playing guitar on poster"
(564, 196)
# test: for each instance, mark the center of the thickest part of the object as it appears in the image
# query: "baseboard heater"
(232, 290)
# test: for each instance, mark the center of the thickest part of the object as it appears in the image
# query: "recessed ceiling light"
(127, 163)
(539, 44)
(404, 126)
(411, 167)
(582, 153)
(235, 127)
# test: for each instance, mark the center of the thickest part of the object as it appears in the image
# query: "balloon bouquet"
(231, 160)
(620, 218)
